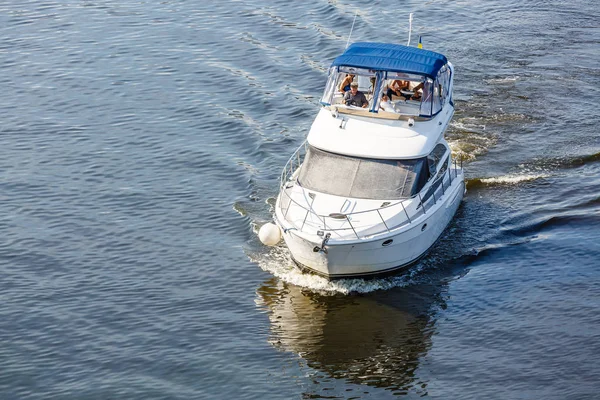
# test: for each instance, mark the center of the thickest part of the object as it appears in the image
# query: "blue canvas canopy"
(391, 57)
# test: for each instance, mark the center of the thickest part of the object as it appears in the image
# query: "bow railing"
(293, 164)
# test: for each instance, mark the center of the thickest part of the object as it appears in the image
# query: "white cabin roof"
(376, 137)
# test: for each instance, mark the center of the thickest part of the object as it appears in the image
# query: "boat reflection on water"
(375, 339)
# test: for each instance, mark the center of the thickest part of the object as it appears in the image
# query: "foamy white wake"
(513, 178)
(468, 126)
(504, 80)
(278, 262)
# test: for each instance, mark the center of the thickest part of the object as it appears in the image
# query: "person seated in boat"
(345, 85)
(355, 97)
(396, 88)
(386, 104)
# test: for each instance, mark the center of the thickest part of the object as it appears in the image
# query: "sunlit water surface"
(141, 147)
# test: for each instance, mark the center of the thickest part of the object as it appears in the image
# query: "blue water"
(141, 146)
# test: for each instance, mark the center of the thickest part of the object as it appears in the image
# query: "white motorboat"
(371, 190)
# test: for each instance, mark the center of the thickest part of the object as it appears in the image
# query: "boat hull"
(384, 255)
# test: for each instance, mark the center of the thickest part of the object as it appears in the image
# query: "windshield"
(406, 94)
(362, 178)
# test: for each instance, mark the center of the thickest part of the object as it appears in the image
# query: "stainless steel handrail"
(290, 163)
(295, 161)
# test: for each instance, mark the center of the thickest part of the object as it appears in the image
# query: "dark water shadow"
(374, 339)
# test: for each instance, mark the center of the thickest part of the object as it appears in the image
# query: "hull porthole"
(387, 242)
(423, 227)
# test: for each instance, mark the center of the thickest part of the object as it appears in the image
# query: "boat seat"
(338, 98)
(409, 107)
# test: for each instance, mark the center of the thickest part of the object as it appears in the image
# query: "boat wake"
(511, 179)
(540, 169)
(506, 79)
(277, 261)
(568, 162)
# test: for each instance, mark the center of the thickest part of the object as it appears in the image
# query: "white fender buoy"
(269, 234)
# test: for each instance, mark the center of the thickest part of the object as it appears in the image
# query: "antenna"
(351, 29)
(409, 27)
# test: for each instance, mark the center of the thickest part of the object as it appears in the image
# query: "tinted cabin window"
(435, 156)
(362, 178)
